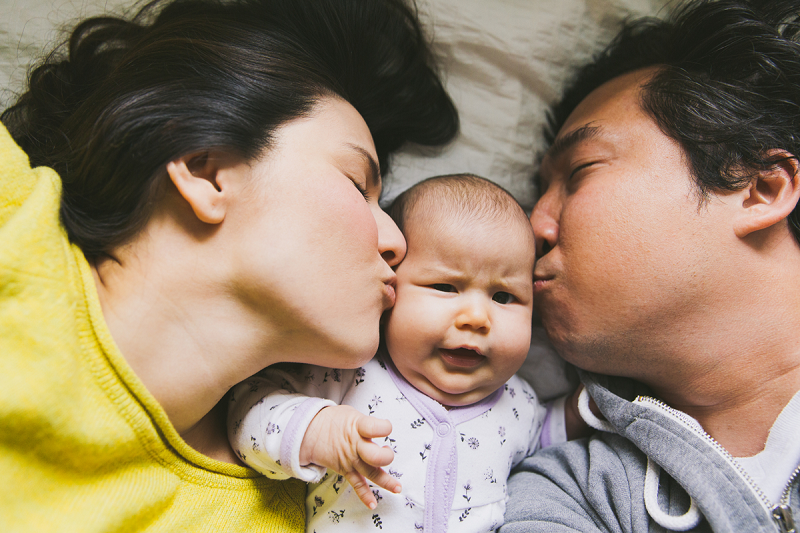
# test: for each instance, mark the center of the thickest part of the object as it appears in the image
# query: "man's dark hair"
(125, 96)
(727, 88)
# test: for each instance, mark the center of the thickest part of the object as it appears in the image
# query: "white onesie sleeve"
(269, 413)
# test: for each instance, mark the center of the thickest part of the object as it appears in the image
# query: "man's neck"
(737, 412)
(735, 363)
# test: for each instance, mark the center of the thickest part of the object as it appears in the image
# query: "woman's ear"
(195, 177)
(771, 196)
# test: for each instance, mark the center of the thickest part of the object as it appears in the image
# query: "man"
(669, 272)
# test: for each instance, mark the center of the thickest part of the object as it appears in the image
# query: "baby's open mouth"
(463, 357)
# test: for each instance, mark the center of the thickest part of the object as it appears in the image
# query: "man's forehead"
(622, 92)
(619, 99)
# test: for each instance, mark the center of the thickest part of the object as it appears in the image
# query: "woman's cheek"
(358, 228)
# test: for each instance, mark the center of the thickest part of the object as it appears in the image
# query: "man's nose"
(544, 220)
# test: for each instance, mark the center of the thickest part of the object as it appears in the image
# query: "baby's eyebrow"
(374, 173)
(442, 270)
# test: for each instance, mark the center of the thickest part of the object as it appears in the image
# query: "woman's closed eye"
(443, 287)
(503, 297)
(361, 189)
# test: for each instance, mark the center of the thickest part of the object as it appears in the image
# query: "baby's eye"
(502, 297)
(443, 287)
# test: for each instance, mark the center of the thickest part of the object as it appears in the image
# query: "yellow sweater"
(83, 445)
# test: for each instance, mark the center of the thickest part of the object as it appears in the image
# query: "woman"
(213, 211)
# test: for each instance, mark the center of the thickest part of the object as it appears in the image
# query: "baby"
(460, 418)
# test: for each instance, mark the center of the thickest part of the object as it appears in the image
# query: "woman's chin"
(355, 359)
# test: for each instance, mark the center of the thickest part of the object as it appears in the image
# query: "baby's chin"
(455, 398)
(453, 388)
(450, 389)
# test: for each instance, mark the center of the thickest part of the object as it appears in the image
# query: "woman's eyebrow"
(374, 172)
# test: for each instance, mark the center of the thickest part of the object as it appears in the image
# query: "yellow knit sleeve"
(17, 179)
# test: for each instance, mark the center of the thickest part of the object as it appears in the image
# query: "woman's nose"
(544, 219)
(391, 243)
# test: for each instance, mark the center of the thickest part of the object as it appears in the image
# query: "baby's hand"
(339, 438)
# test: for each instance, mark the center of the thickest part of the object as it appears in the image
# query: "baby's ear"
(195, 177)
(771, 195)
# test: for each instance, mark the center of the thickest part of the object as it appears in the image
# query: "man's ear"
(195, 177)
(771, 196)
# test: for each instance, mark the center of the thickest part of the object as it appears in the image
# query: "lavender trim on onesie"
(545, 438)
(442, 470)
(293, 436)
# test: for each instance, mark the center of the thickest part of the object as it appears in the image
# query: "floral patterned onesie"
(453, 464)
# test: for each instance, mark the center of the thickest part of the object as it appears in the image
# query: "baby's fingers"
(372, 458)
(374, 455)
(373, 428)
(361, 488)
(379, 477)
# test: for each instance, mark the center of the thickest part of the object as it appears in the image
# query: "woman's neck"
(183, 337)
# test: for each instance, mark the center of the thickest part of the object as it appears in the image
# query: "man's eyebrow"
(374, 173)
(565, 142)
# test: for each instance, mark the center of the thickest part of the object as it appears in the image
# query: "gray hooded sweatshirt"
(651, 468)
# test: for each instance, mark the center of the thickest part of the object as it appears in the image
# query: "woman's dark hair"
(728, 86)
(183, 76)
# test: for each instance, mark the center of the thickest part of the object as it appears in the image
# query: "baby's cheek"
(515, 345)
(399, 324)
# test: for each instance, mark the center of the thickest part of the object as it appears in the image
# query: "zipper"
(781, 513)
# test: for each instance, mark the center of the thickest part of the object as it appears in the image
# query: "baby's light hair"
(461, 198)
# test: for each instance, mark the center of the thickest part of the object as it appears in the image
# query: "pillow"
(504, 62)
(30, 28)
